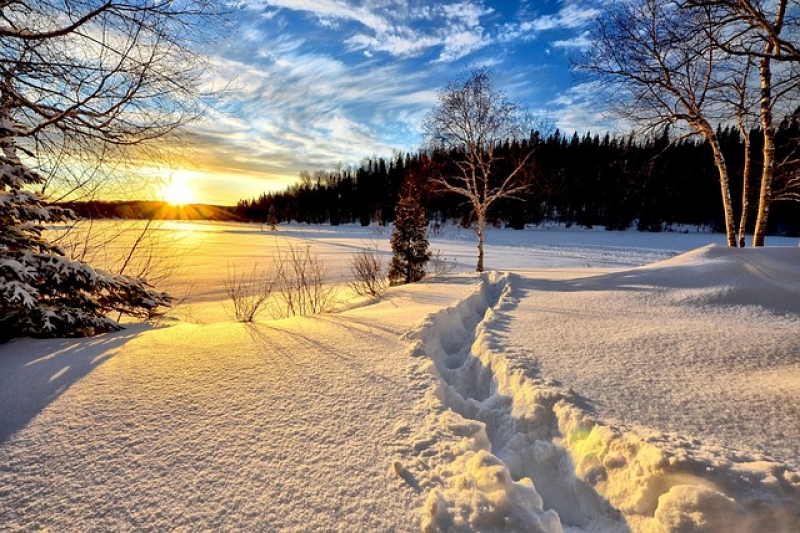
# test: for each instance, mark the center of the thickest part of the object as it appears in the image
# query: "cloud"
(403, 43)
(400, 29)
(581, 42)
(578, 110)
(571, 16)
(468, 13)
(461, 42)
(330, 10)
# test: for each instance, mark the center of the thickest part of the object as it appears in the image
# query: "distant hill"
(140, 209)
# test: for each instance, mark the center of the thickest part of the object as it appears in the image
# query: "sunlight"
(178, 192)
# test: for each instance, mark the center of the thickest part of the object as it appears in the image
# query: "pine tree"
(43, 293)
(409, 238)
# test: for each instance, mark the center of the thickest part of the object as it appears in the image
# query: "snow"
(594, 381)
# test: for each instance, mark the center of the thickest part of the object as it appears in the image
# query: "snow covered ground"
(595, 381)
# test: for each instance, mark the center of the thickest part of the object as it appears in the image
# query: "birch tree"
(470, 122)
(661, 67)
(767, 32)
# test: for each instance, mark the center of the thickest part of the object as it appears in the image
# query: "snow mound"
(720, 275)
(504, 449)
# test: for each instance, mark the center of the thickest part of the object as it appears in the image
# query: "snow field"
(504, 444)
(279, 426)
(564, 397)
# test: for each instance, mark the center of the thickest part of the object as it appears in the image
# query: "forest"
(653, 184)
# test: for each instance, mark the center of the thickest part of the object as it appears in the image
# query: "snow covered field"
(594, 381)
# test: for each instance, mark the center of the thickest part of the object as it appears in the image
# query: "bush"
(300, 283)
(293, 285)
(368, 272)
(249, 292)
(440, 265)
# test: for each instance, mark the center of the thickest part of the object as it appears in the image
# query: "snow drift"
(505, 449)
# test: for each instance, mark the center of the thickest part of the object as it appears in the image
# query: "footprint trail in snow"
(503, 449)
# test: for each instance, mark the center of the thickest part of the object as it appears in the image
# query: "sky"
(312, 83)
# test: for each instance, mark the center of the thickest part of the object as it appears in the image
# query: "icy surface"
(581, 391)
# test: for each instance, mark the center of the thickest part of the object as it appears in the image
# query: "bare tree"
(471, 121)
(85, 80)
(663, 68)
(766, 31)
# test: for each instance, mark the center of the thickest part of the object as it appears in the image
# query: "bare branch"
(472, 120)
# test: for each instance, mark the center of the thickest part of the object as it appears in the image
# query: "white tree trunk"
(768, 169)
(481, 212)
(724, 181)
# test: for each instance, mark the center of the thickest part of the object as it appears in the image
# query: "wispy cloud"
(399, 28)
(581, 42)
(327, 10)
(571, 16)
(298, 110)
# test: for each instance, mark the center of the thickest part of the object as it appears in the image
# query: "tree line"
(652, 184)
(697, 62)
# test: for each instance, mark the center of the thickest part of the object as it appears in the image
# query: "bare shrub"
(125, 247)
(439, 264)
(300, 283)
(131, 248)
(368, 270)
(248, 291)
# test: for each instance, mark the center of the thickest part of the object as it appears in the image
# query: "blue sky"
(311, 83)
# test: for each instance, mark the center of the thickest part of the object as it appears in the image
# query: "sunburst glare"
(178, 192)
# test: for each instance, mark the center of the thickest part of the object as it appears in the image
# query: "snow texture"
(596, 477)
(559, 397)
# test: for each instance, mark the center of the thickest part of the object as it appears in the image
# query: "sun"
(178, 192)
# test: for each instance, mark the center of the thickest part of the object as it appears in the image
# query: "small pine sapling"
(409, 240)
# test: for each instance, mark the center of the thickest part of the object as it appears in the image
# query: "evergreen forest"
(653, 184)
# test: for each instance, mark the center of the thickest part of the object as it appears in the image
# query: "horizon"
(313, 85)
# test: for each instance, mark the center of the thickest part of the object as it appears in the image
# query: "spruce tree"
(43, 293)
(409, 238)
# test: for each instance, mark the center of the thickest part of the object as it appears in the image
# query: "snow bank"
(767, 278)
(506, 450)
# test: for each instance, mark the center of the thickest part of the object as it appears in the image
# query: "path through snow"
(504, 447)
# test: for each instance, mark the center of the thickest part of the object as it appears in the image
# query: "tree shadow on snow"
(34, 372)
